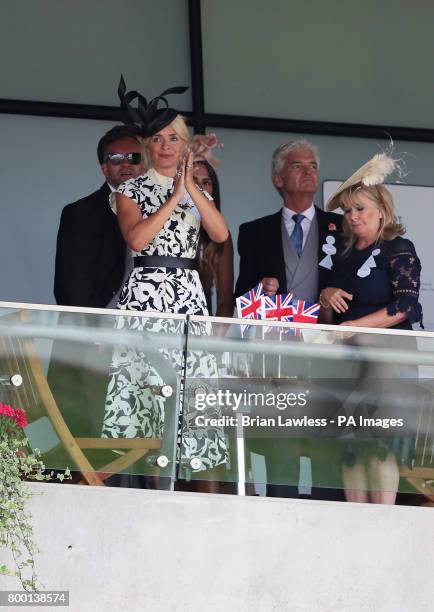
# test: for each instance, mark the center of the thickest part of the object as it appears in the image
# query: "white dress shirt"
(309, 214)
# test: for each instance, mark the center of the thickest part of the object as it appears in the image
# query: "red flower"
(332, 227)
(20, 418)
(7, 410)
(18, 415)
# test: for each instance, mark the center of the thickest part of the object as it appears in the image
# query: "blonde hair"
(390, 228)
(178, 125)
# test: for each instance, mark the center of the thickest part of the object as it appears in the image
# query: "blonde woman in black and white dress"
(160, 215)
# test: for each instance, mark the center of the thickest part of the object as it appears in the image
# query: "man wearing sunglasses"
(90, 267)
(91, 252)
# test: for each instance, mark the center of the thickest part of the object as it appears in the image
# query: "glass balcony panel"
(303, 407)
(298, 408)
(101, 391)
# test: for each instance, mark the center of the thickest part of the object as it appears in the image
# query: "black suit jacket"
(90, 255)
(261, 250)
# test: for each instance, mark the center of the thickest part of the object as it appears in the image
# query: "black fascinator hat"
(147, 118)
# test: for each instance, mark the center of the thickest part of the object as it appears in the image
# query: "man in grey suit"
(285, 251)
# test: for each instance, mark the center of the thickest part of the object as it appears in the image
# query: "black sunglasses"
(119, 158)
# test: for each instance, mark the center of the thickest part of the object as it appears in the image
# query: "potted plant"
(17, 464)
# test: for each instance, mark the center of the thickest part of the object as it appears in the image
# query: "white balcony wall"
(117, 549)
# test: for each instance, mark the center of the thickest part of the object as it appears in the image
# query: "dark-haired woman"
(216, 260)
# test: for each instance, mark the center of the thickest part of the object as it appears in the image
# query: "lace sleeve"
(405, 270)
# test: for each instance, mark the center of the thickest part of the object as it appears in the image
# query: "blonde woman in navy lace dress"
(376, 282)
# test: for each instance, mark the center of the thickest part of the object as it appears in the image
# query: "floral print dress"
(132, 408)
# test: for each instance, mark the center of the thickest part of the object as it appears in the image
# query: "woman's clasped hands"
(184, 180)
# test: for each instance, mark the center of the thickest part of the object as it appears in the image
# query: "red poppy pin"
(332, 227)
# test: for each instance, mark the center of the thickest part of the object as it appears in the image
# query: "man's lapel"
(275, 251)
(323, 230)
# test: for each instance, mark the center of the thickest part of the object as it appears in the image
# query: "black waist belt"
(163, 261)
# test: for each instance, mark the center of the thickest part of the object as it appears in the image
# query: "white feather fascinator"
(372, 173)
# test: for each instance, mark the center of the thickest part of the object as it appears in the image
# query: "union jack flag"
(249, 305)
(305, 312)
(277, 307)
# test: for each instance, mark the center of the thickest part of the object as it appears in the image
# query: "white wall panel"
(245, 176)
(49, 162)
(119, 549)
(46, 163)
